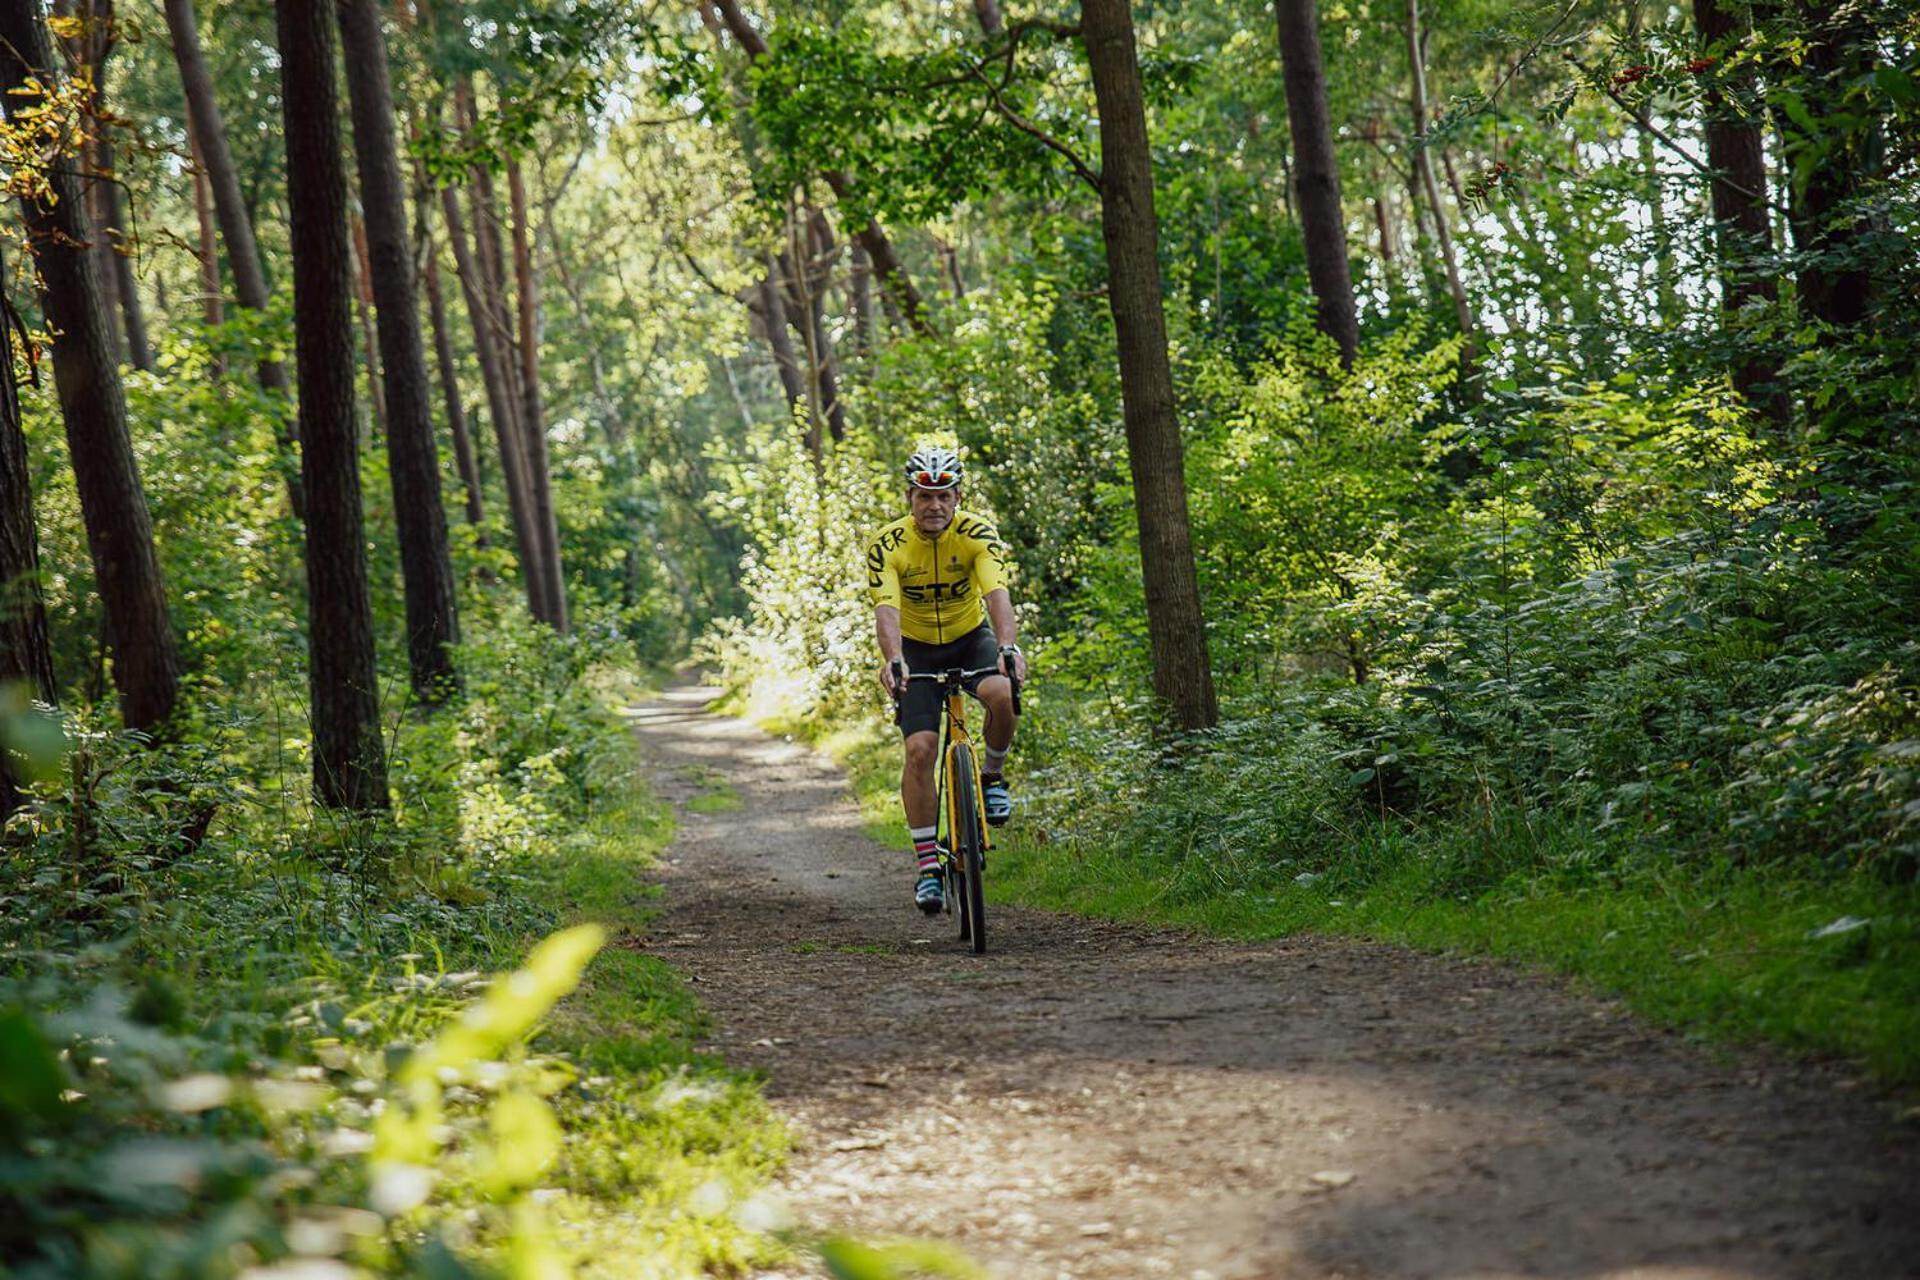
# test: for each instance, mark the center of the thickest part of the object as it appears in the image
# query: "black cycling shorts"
(920, 708)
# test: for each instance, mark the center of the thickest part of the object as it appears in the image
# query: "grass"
(1727, 953)
(668, 1146)
(721, 799)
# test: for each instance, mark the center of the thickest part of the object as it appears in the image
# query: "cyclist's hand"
(893, 677)
(1013, 663)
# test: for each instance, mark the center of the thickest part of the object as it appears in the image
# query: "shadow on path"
(1096, 1101)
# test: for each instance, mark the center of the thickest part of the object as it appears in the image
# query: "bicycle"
(962, 807)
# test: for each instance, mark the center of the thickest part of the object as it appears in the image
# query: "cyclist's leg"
(996, 695)
(919, 727)
(917, 798)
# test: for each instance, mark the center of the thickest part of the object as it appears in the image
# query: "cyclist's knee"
(921, 749)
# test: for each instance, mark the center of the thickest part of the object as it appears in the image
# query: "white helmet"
(934, 468)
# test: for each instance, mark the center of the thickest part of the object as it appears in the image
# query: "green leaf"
(30, 1079)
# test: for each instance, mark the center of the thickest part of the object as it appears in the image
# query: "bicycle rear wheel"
(969, 850)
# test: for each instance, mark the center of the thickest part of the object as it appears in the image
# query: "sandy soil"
(1095, 1101)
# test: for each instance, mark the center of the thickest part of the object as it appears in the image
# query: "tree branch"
(1641, 119)
(1087, 173)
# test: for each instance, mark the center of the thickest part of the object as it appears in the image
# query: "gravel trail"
(1096, 1101)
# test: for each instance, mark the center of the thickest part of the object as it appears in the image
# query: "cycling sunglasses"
(934, 479)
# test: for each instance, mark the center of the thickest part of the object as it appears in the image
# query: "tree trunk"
(212, 302)
(533, 425)
(26, 658)
(824, 252)
(1317, 173)
(413, 459)
(349, 758)
(501, 406)
(1743, 231)
(1423, 164)
(126, 287)
(463, 455)
(772, 311)
(236, 226)
(1383, 221)
(146, 666)
(988, 11)
(1834, 282)
(860, 285)
(363, 314)
(1182, 675)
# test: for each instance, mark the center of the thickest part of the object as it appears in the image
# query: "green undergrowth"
(284, 1046)
(1816, 962)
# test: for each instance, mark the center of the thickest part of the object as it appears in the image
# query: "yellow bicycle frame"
(956, 736)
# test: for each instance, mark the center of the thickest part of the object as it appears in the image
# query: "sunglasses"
(934, 479)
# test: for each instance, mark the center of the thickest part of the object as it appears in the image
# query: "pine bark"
(413, 459)
(93, 406)
(126, 287)
(26, 656)
(501, 405)
(1182, 674)
(463, 455)
(230, 210)
(212, 301)
(1743, 230)
(533, 424)
(1317, 175)
(349, 758)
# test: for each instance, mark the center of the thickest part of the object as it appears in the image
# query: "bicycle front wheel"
(969, 849)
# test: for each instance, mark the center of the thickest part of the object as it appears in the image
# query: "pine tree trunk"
(126, 287)
(1743, 230)
(1182, 674)
(349, 758)
(413, 459)
(236, 226)
(1317, 175)
(1423, 165)
(501, 405)
(534, 420)
(146, 666)
(463, 455)
(212, 301)
(26, 658)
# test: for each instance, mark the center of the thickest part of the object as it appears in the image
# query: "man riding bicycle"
(939, 589)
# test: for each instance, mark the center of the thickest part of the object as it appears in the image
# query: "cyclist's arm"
(1006, 627)
(886, 630)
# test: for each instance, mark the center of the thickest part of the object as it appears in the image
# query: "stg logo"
(938, 592)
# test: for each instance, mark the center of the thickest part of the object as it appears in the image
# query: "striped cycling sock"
(992, 761)
(924, 850)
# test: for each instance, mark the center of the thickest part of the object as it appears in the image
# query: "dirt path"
(1093, 1101)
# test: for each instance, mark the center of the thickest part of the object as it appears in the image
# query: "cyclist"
(938, 583)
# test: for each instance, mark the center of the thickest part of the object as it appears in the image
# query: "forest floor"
(1097, 1101)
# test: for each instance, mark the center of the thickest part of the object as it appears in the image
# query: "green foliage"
(268, 1035)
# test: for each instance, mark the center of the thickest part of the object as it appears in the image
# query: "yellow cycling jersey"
(937, 584)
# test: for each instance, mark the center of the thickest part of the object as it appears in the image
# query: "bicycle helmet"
(934, 468)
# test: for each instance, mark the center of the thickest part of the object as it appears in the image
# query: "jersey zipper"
(939, 622)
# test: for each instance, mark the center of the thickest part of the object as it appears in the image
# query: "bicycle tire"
(969, 849)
